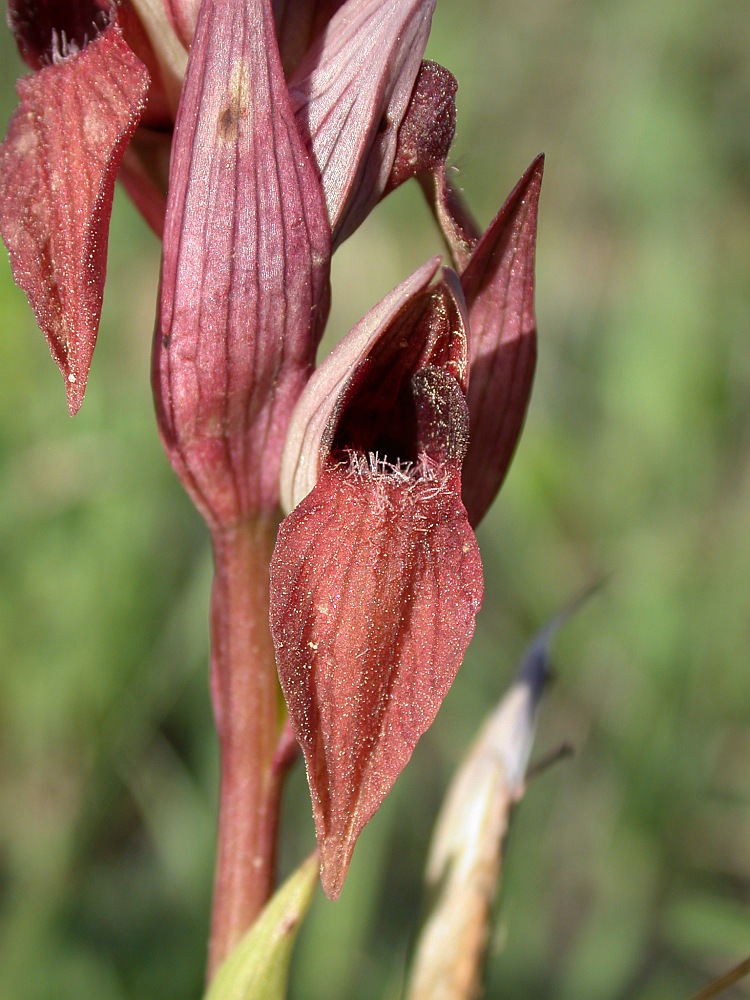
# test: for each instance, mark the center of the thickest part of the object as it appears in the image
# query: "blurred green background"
(628, 867)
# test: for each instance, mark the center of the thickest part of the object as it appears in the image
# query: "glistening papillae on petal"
(498, 283)
(57, 172)
(376, 577)
(428, 126)
(350, 93)
(245, 272)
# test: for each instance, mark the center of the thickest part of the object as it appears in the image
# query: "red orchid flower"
(376, 577)
(264, 178)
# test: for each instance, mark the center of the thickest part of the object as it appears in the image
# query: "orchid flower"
(376, 578)
(284, 125)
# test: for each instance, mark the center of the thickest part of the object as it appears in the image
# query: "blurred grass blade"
(465, 859)
(258, 968)
(718, 986)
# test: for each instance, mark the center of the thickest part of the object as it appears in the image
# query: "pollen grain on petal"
(237, 105)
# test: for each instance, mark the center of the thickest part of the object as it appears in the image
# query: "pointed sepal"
(498, 283)
(58, 164)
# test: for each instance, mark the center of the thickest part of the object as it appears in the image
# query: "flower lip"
(375, 583)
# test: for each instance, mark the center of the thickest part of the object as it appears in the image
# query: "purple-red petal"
(298, 23)
(244, 290)
(498, 283)
(350, 94)
(375, 582)
(58, 164)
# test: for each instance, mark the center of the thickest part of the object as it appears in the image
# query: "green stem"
(244, 688)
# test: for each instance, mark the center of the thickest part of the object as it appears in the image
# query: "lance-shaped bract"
(58, 164)
(498, 282)
(244, 292)
(350, 93)
(376, 577)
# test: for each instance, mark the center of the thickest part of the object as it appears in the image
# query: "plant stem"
(246, 702)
